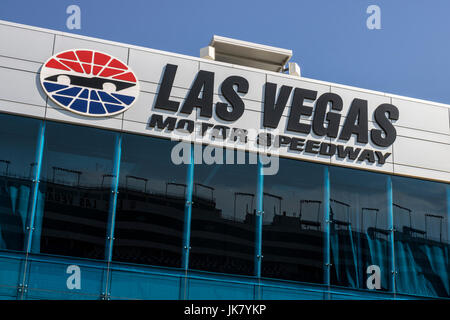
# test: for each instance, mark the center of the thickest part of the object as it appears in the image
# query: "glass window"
(223, 216)
(76, 176)
(421, 237)
(359, 229)
(292, 236)
(18, 139)
(151, 202)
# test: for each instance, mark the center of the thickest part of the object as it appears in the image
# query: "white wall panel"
(141, 110)
(25, 44)
(423, 135)
(422, 116)
(416, 172)
(347, 95)
(149, 66)
(57, 113)
(422, 154)
(63, 43)
(22, 109)
(19, 64)
(21, 86)
(256, 80)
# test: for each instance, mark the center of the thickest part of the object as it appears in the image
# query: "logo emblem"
(89, 82)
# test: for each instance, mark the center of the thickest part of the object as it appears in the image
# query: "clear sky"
(408, 56)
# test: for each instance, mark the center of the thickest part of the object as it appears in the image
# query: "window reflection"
(150, 210)
(359, 228)
(75, 190)
(293, 222)
(18, 138)
(421, 237)
(223, 217)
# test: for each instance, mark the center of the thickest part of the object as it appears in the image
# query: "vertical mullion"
(188, 211)
(187, 223)
(30, 227)
(258, 226)
(448, 214)
(326, 214)
(112, 213)
(390, 211)
(113, 198)
(448, 222)
(36, 180)
(259, 218)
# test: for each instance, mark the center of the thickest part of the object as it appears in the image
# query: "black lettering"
(205, 81)
(239, 133)
(297, 144)
(281, 141)
(333, 118)
(162, 100)
(272, 110)
(185, 125)
(264, 139)
(220, 132)
(327, 149)
(358, 114)
(387, 127)
(349, 152)
(298, 109)
(311, 145)
(205, 127)
(157, 121)
(367, 155)
(233, 98)
(382, 158)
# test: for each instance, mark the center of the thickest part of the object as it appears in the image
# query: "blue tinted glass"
(293, 222)
(421, 237)
(63, 279)
(18, 139)
(138, 283)
(359, 229)
(75, 189)
(150, 209)
(223, 216)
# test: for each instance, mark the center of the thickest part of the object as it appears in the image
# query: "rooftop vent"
(249, 54)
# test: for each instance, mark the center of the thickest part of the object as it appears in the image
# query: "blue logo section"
(88, 101)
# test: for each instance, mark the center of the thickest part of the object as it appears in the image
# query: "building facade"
(340, 193)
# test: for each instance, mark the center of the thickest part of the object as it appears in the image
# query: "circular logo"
(89, 82)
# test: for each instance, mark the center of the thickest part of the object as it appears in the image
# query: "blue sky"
(408, 56)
